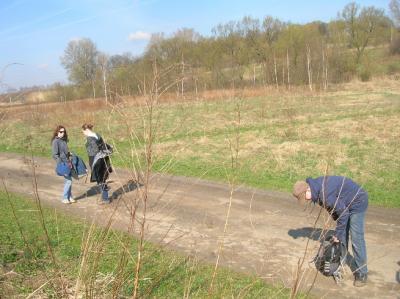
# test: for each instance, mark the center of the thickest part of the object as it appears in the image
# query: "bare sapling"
(232, 176)
(59, 274)
(150, 123)
(276, 73)
(288, 68)
(309, 69)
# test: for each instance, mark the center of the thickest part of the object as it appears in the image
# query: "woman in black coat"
(99, 160)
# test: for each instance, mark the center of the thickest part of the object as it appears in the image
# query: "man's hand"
(335, 240)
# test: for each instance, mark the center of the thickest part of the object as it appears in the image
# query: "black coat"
(99, 162)
(100, 170)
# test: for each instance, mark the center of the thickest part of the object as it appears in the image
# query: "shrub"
(364, 74)
(393, 69)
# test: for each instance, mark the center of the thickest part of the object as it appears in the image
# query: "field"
(101, 261)
(278, 137)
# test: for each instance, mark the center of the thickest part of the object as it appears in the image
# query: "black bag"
(328, 260)
(104, 147)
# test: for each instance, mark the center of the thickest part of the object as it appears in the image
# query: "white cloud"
(139, 35)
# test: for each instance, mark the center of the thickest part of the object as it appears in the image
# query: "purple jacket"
(341, 196)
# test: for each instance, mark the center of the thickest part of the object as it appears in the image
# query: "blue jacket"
(341, 196)
(78, 165)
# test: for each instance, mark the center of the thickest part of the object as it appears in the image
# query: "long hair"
(55, 133)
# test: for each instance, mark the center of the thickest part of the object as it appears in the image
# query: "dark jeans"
(104, 191)
(355, 228)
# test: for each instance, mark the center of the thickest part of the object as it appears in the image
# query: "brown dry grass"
(383, 84)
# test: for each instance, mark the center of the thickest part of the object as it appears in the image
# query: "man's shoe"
(360, 280)
(72, 200)
(65, 201)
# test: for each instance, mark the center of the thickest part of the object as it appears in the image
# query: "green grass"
(281, 138)
(164, 274)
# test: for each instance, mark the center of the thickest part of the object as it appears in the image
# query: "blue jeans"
(355, 228)
(67, 193)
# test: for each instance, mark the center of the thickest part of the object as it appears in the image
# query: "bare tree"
(288, 68)
(103, 62)
(394, 7)
(80, 61)
(309, 69)
(272, 29)
(276, 73)
(361, 25)
(324, 68)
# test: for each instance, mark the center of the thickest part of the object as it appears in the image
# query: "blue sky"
(35, 33)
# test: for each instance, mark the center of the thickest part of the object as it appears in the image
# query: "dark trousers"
(104, 191)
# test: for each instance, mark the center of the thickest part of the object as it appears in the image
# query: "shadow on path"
(126, 188)
(310, 232)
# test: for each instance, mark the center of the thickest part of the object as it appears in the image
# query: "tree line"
(248, 52)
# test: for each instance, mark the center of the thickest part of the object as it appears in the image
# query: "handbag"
(63, 168)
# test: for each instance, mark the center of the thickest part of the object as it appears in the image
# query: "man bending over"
(347, 203)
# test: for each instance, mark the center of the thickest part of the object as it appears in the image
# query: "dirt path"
(267, 232)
